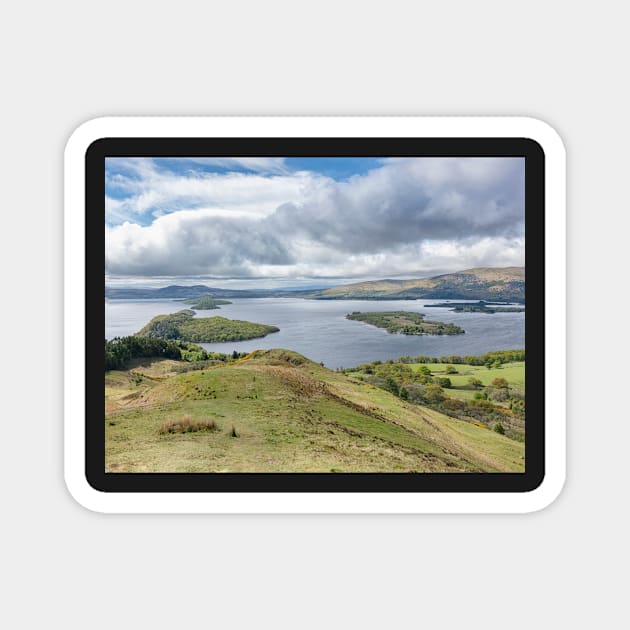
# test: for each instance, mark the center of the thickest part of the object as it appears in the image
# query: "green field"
(277, 411)
(513, 373)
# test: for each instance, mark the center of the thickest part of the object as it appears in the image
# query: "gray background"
(66, 62)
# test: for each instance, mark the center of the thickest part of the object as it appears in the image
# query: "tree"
(451, 370)
(475, 383)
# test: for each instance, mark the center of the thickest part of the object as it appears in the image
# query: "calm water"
(318, 329)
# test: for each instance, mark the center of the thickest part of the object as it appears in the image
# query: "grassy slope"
(290, 415)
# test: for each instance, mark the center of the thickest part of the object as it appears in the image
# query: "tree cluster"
(120, 350)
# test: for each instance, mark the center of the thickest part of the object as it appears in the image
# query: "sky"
(274, 222)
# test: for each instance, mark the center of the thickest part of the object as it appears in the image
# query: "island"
(205, 303)
(478, 307)
(184, 326)
(405, 323)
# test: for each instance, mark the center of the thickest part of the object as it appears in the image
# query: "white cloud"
(144, 189)
(408, 217)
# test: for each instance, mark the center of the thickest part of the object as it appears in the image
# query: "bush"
(451, 370)
(498, 394)
(434, 393)
(498, 428)
(390, 385)
(187, 425)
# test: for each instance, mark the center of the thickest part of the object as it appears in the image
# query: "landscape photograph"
(315, 315)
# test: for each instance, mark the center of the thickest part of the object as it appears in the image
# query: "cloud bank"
(408, 216)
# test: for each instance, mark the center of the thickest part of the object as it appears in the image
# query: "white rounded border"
(74, 304)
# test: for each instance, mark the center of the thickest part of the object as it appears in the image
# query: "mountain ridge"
(479, 283)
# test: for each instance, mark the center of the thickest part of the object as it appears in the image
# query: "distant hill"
(276, 411)
(175, 291)
(505, 284)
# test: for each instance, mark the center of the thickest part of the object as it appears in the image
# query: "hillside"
(275, 410)
(503, 284)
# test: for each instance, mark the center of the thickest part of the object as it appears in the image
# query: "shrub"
(499, 394)
(390, 385)
(498, 428)
(453, 404)
(451, 370)
(434, 393)
(187, 425)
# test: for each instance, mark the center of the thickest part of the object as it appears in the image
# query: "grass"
(289, 414)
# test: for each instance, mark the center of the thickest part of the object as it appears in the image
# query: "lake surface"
(319, 330)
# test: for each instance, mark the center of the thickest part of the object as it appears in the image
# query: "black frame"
(315, 147)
